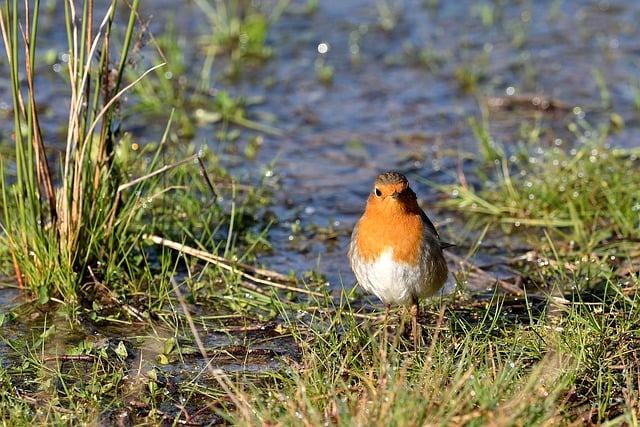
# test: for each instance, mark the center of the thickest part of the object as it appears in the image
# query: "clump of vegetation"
(238, 30)
(198, 102)
(57, 230)
(585, 194)
(74, 234)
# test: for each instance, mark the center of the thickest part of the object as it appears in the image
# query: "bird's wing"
(432, 228)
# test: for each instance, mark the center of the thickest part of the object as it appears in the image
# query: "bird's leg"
(415, 327)
(385, 323)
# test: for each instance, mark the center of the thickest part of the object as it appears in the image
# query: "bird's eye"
(377, 192)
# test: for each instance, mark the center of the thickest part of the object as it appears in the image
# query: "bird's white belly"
(391, 281)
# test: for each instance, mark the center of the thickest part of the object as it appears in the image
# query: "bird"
(395, 251)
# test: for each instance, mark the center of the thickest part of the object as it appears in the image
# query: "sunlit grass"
(56, 231)
(471, 373)
(585, 194)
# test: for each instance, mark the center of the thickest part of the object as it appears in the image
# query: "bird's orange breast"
(382, 227)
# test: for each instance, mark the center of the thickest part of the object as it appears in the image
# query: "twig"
(254, 288)
(234, 266)
(156, 172)
(70, 357)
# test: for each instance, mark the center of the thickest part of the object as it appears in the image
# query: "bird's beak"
(395, 194)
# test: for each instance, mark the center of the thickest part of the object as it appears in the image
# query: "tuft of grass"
(57, 229)
(192, 103)
(585, 195)
(324, 72)
(238, 30)
(76, 240)
(472, 72)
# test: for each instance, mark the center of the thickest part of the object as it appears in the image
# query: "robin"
(395, 250)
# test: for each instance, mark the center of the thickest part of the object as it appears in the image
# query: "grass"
(581, 195)
(494, 362)
(238, 31)
(536, 371)
(85, 226)
(148, 308)
(55, 232)
(193, 103)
